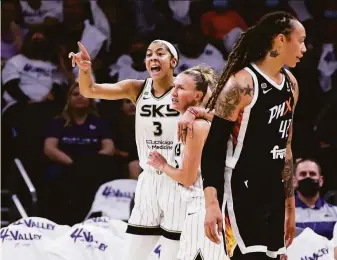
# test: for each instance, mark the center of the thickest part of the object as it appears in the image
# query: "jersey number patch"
(158, 130)
(177, 152)
(284, 128)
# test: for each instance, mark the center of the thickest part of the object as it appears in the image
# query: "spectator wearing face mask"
(311, 209)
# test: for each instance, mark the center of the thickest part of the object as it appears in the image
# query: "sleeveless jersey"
(195, 190)
(258, 142)
(156, 125)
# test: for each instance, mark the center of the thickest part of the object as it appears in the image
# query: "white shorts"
(159, 208)
(194, 243)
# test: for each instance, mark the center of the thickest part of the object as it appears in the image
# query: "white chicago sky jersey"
(156, 125)
(195, 190)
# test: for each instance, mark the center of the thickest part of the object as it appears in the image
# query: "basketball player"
(154, 213)
(250, 137)
(190, 87)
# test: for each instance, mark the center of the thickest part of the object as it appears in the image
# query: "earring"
(274, 53)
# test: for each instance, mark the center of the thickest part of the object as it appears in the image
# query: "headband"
(170, 46)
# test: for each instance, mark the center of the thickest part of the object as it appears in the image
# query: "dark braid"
(253, 45)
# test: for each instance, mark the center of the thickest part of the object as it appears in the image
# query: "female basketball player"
(190, 86)
(250, 137)
(156, 127)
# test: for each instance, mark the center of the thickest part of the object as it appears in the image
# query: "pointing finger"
(83, 50)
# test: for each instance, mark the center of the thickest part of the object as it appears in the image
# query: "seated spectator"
(81, 24)
(41, 14)
(79, 146)
(312, 210)
(32, 75)
(194, 49)
(218, 22)
(131, 65)
(78, 132)
(11, 34)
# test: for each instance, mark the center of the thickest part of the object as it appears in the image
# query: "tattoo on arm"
(287, 176)
(227, 102)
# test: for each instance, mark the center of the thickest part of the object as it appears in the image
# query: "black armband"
(213, 160)
(13, 89)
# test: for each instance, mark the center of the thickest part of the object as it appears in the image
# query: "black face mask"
(308, 187)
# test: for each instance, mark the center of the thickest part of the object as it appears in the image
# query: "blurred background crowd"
(69, 145)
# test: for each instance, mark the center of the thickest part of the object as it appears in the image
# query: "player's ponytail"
(253, 45)
(204, 77)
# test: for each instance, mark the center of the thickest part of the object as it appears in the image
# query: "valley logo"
(84, 236)
(35, 224)
(16, 235)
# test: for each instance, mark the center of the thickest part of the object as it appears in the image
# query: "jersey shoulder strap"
(144, 89)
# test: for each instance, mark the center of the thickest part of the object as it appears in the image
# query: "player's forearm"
(179, 175)
(288, 179)
(86, 83)
(213, 160)
(211, 196)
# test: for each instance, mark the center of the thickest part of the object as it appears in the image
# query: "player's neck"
(271, 66)
(310, 202)
(160, 86)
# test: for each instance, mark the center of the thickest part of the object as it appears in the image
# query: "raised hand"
(81, 59)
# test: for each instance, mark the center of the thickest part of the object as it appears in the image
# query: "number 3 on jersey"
(158, 130)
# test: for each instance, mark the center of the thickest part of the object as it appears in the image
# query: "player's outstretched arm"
(186, 173)
(124, 89)
(288, 176)
(236, 94)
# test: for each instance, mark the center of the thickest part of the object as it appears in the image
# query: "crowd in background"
(70, 145)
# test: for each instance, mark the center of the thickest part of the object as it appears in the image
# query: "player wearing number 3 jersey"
(158, 210)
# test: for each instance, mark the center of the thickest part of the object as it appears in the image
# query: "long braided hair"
(253, 45)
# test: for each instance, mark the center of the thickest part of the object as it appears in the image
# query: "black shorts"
(256, 213)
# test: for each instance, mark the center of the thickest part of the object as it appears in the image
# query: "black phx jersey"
(254, 192)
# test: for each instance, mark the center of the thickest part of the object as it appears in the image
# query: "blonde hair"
(66, 113)
(204, 76)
